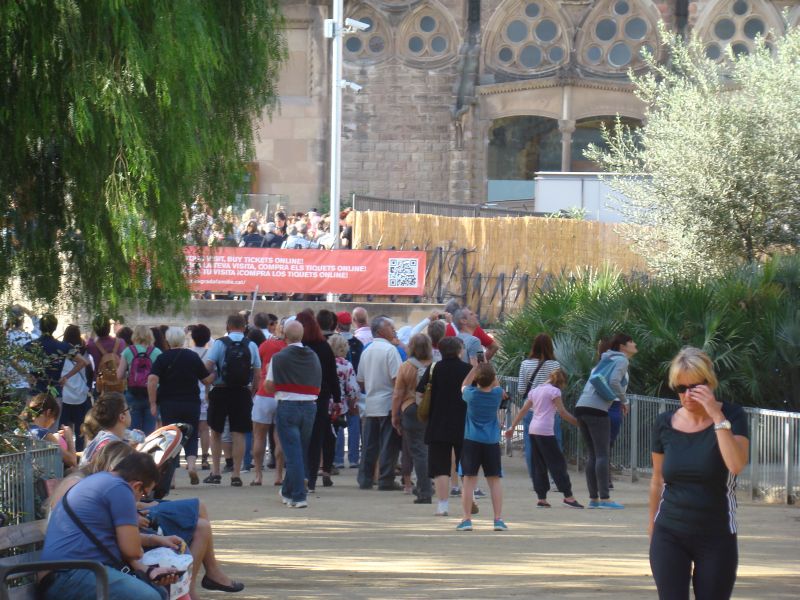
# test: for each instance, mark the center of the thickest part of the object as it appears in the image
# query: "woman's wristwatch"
(722, 425)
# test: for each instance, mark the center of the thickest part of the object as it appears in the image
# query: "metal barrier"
(772, 475)
(429, 207)
(19, 472)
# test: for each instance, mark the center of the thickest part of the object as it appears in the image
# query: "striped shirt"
(527, 368)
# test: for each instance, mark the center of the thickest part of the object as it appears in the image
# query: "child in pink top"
(545, 453)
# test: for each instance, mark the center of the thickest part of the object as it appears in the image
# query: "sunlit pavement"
(368, 544)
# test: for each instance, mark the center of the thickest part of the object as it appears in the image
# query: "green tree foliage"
(713, 173)
(747, 320)
(113, 117)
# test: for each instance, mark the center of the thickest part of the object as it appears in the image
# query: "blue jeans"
(295, 421)
(353, 442)
(79, 584)
(248, 451)
(140, 411)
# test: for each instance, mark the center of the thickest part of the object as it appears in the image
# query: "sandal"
(193, 478)
(213, 479)
(254, 482)
(278, 483)
(236, 481)
(210, 584)
(542, 504)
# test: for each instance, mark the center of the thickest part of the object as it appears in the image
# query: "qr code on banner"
(403, 272)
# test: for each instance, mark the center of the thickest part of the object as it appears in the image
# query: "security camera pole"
(335, 30)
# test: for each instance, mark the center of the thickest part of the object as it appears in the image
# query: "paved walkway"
(373, 545)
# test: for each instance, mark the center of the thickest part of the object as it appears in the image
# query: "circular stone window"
(376, 44)
(636, 28)
(713, 51)
(530, 57)
(415, 44)
(438, 44)
(532, 10)
(353, 44)
(516, 31)
(740, 50)
(754, 27)
(556, 54)
(725, 29)
(606, 30)
(427, 24)
(505, 54)
(546, 30)
(622, 8)
(620, 55)
(594, 54)
(740, 7)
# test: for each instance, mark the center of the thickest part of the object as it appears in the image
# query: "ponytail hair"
(108, 409)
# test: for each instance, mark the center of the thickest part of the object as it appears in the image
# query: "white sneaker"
(284, 499)
(298, 504)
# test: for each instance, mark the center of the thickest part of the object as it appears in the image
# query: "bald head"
(293, 332)
(360, 316)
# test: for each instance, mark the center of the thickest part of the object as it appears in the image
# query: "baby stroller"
(164, 445)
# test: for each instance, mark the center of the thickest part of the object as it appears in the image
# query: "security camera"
(356, 25)
(352, 86)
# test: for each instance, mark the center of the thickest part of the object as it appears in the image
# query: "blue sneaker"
(455, 492)
(479, 493)
(594, 504)
(609, 504)
(499, 525)
(465, 525)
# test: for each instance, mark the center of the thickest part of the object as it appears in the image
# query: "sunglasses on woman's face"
(682, 389)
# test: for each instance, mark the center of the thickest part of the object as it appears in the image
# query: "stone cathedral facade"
(464, 100)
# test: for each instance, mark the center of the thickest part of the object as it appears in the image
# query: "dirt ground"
(372, 545)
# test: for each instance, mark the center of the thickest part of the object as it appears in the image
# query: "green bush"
(747, 320)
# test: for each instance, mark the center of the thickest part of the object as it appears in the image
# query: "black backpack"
(237, 368)
(354, 353)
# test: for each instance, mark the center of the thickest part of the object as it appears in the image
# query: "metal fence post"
(28, 505)
(634, 425)
(755, 437)
(787, 461)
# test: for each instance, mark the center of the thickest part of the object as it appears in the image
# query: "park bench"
(26, 563)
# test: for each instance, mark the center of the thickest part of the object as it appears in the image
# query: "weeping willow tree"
(114, 116)
(713, 174)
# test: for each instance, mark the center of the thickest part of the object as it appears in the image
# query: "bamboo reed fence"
(494, 264)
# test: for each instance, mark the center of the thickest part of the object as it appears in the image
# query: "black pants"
(596, 431)
(547, 456)
(322, 423)
(715, 558)
(73, 416)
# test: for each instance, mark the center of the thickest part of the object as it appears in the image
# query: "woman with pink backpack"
(135, 365)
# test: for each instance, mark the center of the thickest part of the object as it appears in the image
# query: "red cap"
(344, 318)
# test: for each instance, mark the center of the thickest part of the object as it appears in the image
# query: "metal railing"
(772, 475)
(429, 207)
(22, 474)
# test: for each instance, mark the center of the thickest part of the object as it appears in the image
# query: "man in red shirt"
(263, 415)
(470, 325)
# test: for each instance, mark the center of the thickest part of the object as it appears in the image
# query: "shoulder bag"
(532, 379)
(424, 407)
(600, 376)
(114, 562)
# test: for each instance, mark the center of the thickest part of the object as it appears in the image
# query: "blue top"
(103, 502)
(481, 424)
(217, 354)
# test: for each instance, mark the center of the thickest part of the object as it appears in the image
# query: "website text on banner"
(387, 272)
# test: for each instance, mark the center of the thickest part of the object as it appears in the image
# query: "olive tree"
(114, 116)
(713, 174)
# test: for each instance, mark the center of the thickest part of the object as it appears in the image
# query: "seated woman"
(105, 504)
(107, 421)
(187, 519)
(40, 414)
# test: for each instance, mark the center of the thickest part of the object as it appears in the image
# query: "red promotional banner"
(387, 272)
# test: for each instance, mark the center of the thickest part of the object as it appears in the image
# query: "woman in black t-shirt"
(698, 450)
(173, 384)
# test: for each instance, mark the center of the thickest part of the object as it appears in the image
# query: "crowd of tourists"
(254, 229)
(413, 410)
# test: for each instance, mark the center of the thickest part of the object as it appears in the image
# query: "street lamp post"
(335, 30)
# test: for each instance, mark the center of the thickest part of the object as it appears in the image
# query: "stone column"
(567, 128)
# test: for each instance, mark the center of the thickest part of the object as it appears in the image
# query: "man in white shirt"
(362, 332)
(377, 371)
